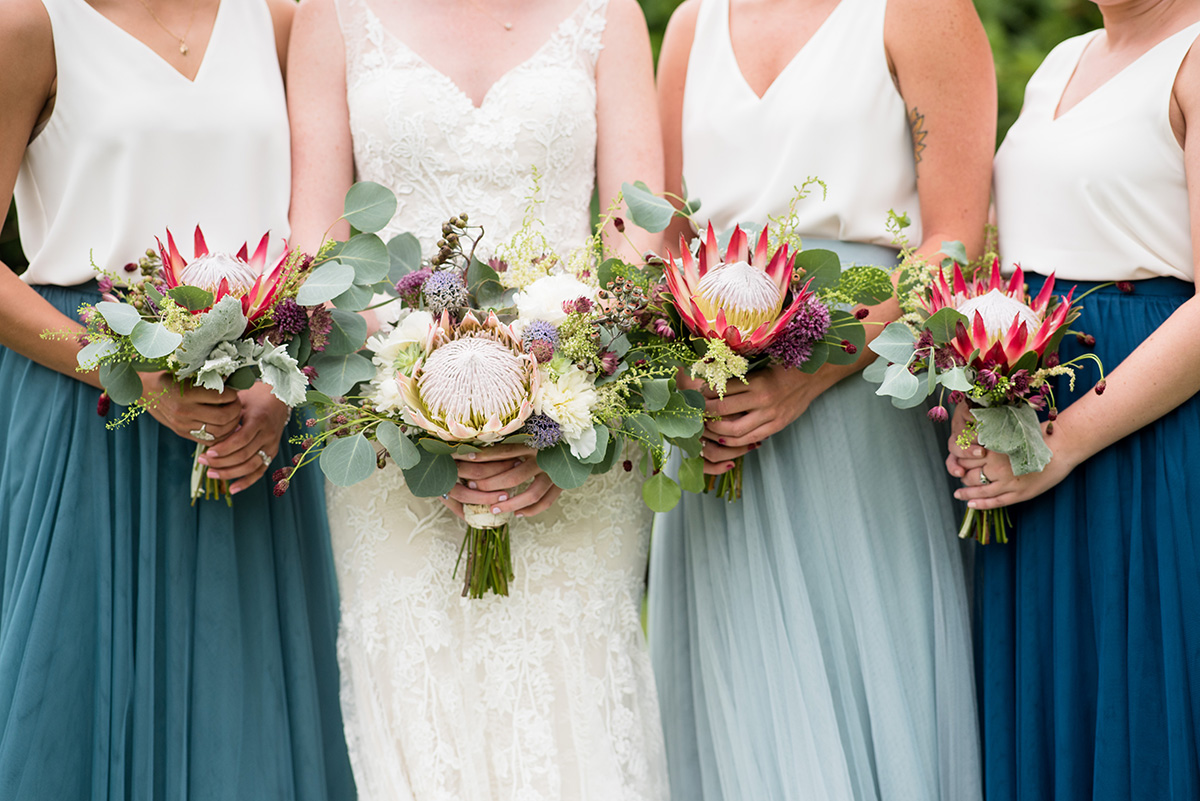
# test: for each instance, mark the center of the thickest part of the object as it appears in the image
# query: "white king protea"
(475, 383)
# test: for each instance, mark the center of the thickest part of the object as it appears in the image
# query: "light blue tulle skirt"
(150, 649)
(811, 641)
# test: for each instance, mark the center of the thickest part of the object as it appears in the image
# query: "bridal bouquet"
(227, 320)
(987, 343)
(524, 349)
(743, 309)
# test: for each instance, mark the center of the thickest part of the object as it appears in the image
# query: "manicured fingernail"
(502, 499)
(471, 456)
(202, 460)
(213, 474)
(210, 452)
(729, 466)
(495, 510)
(973, 504)
(977, 452)
(472, 485)
(721, 440)
(520, 460)
(958, 494)
(520, 514)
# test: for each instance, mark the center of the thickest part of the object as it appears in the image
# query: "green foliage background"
(1022, 32)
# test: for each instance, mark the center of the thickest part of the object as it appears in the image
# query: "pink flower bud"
(938, 414)
(1052, 415)
(862, 313)
(957, 397)
(849, 347)
(1101, 385)
(1125, 286)
(619, 224)
(131, 267)
(1052, 359)
(103, 405)
(280, 488)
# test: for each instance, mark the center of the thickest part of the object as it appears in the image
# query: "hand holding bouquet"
(987, 343)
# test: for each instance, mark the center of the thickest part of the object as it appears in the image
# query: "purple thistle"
(289, 317)
(409, 287)
(793, 346)
(444, 290)
(540, 329)
(543, 431)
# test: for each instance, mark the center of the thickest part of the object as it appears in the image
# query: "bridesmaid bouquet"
(743, 309)
(226, 320)
(525, 349)
(987, 343)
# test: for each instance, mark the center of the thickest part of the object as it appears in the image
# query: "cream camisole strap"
(833, 113)
(132, 143)
(1099, 194)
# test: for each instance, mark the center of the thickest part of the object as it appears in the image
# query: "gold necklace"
(508, 26)
(183, 48)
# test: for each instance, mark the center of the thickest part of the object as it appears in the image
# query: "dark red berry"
(849, 347)
(862, 313)
(619, 224)
(628, 465)
(1052, 415)
(296, 459)
(103, 404)
(1125, 286)
(1101, 385)
(280, 488)
(131, 267)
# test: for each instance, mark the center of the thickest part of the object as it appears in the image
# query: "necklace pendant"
(508, 26)
(183, 48)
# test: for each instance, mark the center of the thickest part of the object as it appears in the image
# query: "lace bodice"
(416, 132)
(546, 695)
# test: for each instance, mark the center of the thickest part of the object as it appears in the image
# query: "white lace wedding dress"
(548, 693)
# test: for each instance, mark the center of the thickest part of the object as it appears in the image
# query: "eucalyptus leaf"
(1014, 430)
(656, 392)
(337, 375)
(349, 460)
(691, 474)
(943, 323)
(821, 267)
(955, 379)
(314, 397)
(956, 251)
(121, 317)
(874, 372)
(347, 334)
(94, 352)
(647, 210)
(153, 340)
(435, 445)
(845, 327)
(121, 382)
(355, 299)
(404, 453)
(644, 429)
(597, 456)
(678, 420)
(611, 453)
(369, 206)
(434, 474)
(562, 467)
(661, 493)
(325, 283)
(895, 343)
(368, 257)
(899, 383)
(404, 251)
(192, 298)
(243, 378)
(605, 273)
(818, 357)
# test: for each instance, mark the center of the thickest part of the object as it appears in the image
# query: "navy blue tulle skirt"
(151, 649)
(1089, 620)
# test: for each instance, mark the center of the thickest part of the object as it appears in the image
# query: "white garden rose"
(397, 351)
(568, 401)
(543, 299)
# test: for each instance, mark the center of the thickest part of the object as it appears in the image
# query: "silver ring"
(983, 479)
(202, 434)
(445, 496)
(266, 460)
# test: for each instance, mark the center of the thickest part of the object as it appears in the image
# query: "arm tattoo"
(916, 123)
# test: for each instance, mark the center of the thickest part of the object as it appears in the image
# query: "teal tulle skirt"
(811, 641)
(150, 649)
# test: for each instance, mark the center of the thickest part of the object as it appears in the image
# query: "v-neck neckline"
(786, 67)
(1058, 113)
(558, 29)
(154, 54)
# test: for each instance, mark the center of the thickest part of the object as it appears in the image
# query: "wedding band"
(983, 479)
(202, 434)
(266, 460)
(445, 496)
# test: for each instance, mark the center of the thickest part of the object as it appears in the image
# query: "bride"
(547, 693)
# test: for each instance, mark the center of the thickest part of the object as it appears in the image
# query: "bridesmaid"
(811, 640)
(1089, 619)
(149, 648)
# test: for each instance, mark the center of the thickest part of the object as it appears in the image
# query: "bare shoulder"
(681, 28)
(316, 13)
(26, 48)
(922, 20)
(624, 18)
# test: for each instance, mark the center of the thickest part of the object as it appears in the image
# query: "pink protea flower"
(474, 383)
(239, 275)
(739, 299)
(1005, 323)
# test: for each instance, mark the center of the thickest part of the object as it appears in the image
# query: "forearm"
(26, 315)
(1161, 374)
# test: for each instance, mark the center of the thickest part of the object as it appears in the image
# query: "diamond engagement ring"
(983, 479)
(266, 460)
(202, 434)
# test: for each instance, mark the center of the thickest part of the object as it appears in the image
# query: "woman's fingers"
(717, 453)
(476, 471)
(465, 494)
(518, 474)
(496, 453)
(544, 502)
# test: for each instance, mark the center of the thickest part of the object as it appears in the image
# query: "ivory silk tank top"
(132, 145)
(833, 113)
(1099, 194)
